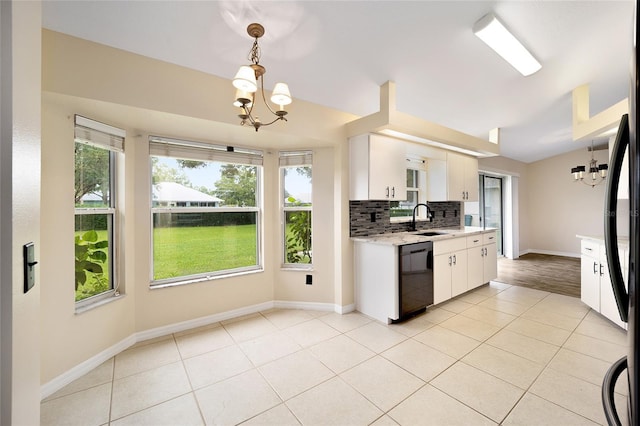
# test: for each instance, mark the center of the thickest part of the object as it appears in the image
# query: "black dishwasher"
(415, 290)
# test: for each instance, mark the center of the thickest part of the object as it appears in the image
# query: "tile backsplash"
(373, 217)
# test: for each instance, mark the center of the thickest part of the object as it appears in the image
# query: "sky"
(297, 185)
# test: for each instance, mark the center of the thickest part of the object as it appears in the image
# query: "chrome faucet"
(429, 215)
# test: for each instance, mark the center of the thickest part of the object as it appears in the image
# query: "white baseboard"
(345, 309)
(84, 367)
(314, 306)
(550, 252)
(202, 321)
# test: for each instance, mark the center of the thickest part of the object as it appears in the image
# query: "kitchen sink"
(430, 234)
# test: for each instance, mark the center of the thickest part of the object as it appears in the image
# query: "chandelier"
(597, 172)
(246, 84)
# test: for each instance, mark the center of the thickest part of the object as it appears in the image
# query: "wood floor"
(556, 274)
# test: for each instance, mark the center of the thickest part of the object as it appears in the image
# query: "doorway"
(488, 211)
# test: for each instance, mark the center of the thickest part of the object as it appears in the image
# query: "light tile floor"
(497, 355)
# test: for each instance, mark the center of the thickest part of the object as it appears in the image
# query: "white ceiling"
(338, 53)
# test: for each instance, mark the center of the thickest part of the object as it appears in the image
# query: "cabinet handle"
(449, 260)
(481, 252)
(454, 259)
(475, 241)
(595, 271)
(601, 274)
(387, 192)
(393, 192)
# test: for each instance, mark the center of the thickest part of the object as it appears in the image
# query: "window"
(97, 147)
(296, 195)
(206, 210)
(416, 184)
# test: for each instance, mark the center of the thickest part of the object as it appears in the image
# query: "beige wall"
(134, 96)
(25, 21)
(552, 207)
(561, 208)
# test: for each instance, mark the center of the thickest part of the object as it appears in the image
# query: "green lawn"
(180, 251)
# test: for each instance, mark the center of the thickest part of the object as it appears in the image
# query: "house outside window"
(296, 208)
(205, 209)
(97, 150)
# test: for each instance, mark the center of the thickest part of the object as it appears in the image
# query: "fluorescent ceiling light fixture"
(490, 30)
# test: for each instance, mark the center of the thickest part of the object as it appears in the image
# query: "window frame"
(418, 164)
(293, 159)
(103, 136)
(202, 151)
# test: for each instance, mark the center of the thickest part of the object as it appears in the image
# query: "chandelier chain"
(254, 53)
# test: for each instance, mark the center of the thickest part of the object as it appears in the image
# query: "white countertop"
(600, 239)
(410, 237)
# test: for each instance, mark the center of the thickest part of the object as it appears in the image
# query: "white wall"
(20, 130)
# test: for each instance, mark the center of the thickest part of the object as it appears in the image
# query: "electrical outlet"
(309, 280)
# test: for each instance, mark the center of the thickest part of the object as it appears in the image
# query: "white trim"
(84, 367)
(550, 252)
(313, 306)
(199, 322)
(344, 309)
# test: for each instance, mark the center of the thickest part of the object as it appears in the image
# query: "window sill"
(101, 302)
(157, 286)
(295, 268)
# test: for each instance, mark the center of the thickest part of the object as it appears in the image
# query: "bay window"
(206, 210)
(97, 150)
(296, 208)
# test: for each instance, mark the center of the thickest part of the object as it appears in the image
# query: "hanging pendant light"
(597, 172)
(249, 79)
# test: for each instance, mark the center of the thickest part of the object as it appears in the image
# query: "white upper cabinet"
(378, 168)
(453, 179)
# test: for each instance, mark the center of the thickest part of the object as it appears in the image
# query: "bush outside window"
(96, 156)
(296, 187)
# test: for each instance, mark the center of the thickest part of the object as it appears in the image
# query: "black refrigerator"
(627, 299)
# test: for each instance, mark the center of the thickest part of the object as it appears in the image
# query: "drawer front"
(489, 237)
(474, 241)
(448, 246)
(590, 248)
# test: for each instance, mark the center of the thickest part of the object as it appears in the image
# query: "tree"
(237, 185)
(91, 172)
(165, 173)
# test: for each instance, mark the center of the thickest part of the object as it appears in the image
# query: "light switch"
(28, 251)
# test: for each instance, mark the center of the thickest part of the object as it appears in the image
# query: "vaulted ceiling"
(338, 53)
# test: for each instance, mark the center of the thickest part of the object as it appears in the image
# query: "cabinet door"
(490, 262)
(475, 274)
(442, 265)
(590, 281)
(459, 283)
(471, 181)
(455, 176)
(387, 169)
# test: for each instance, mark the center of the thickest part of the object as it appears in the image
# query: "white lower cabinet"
(595, 283)
(482, 259)
(449, 268)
